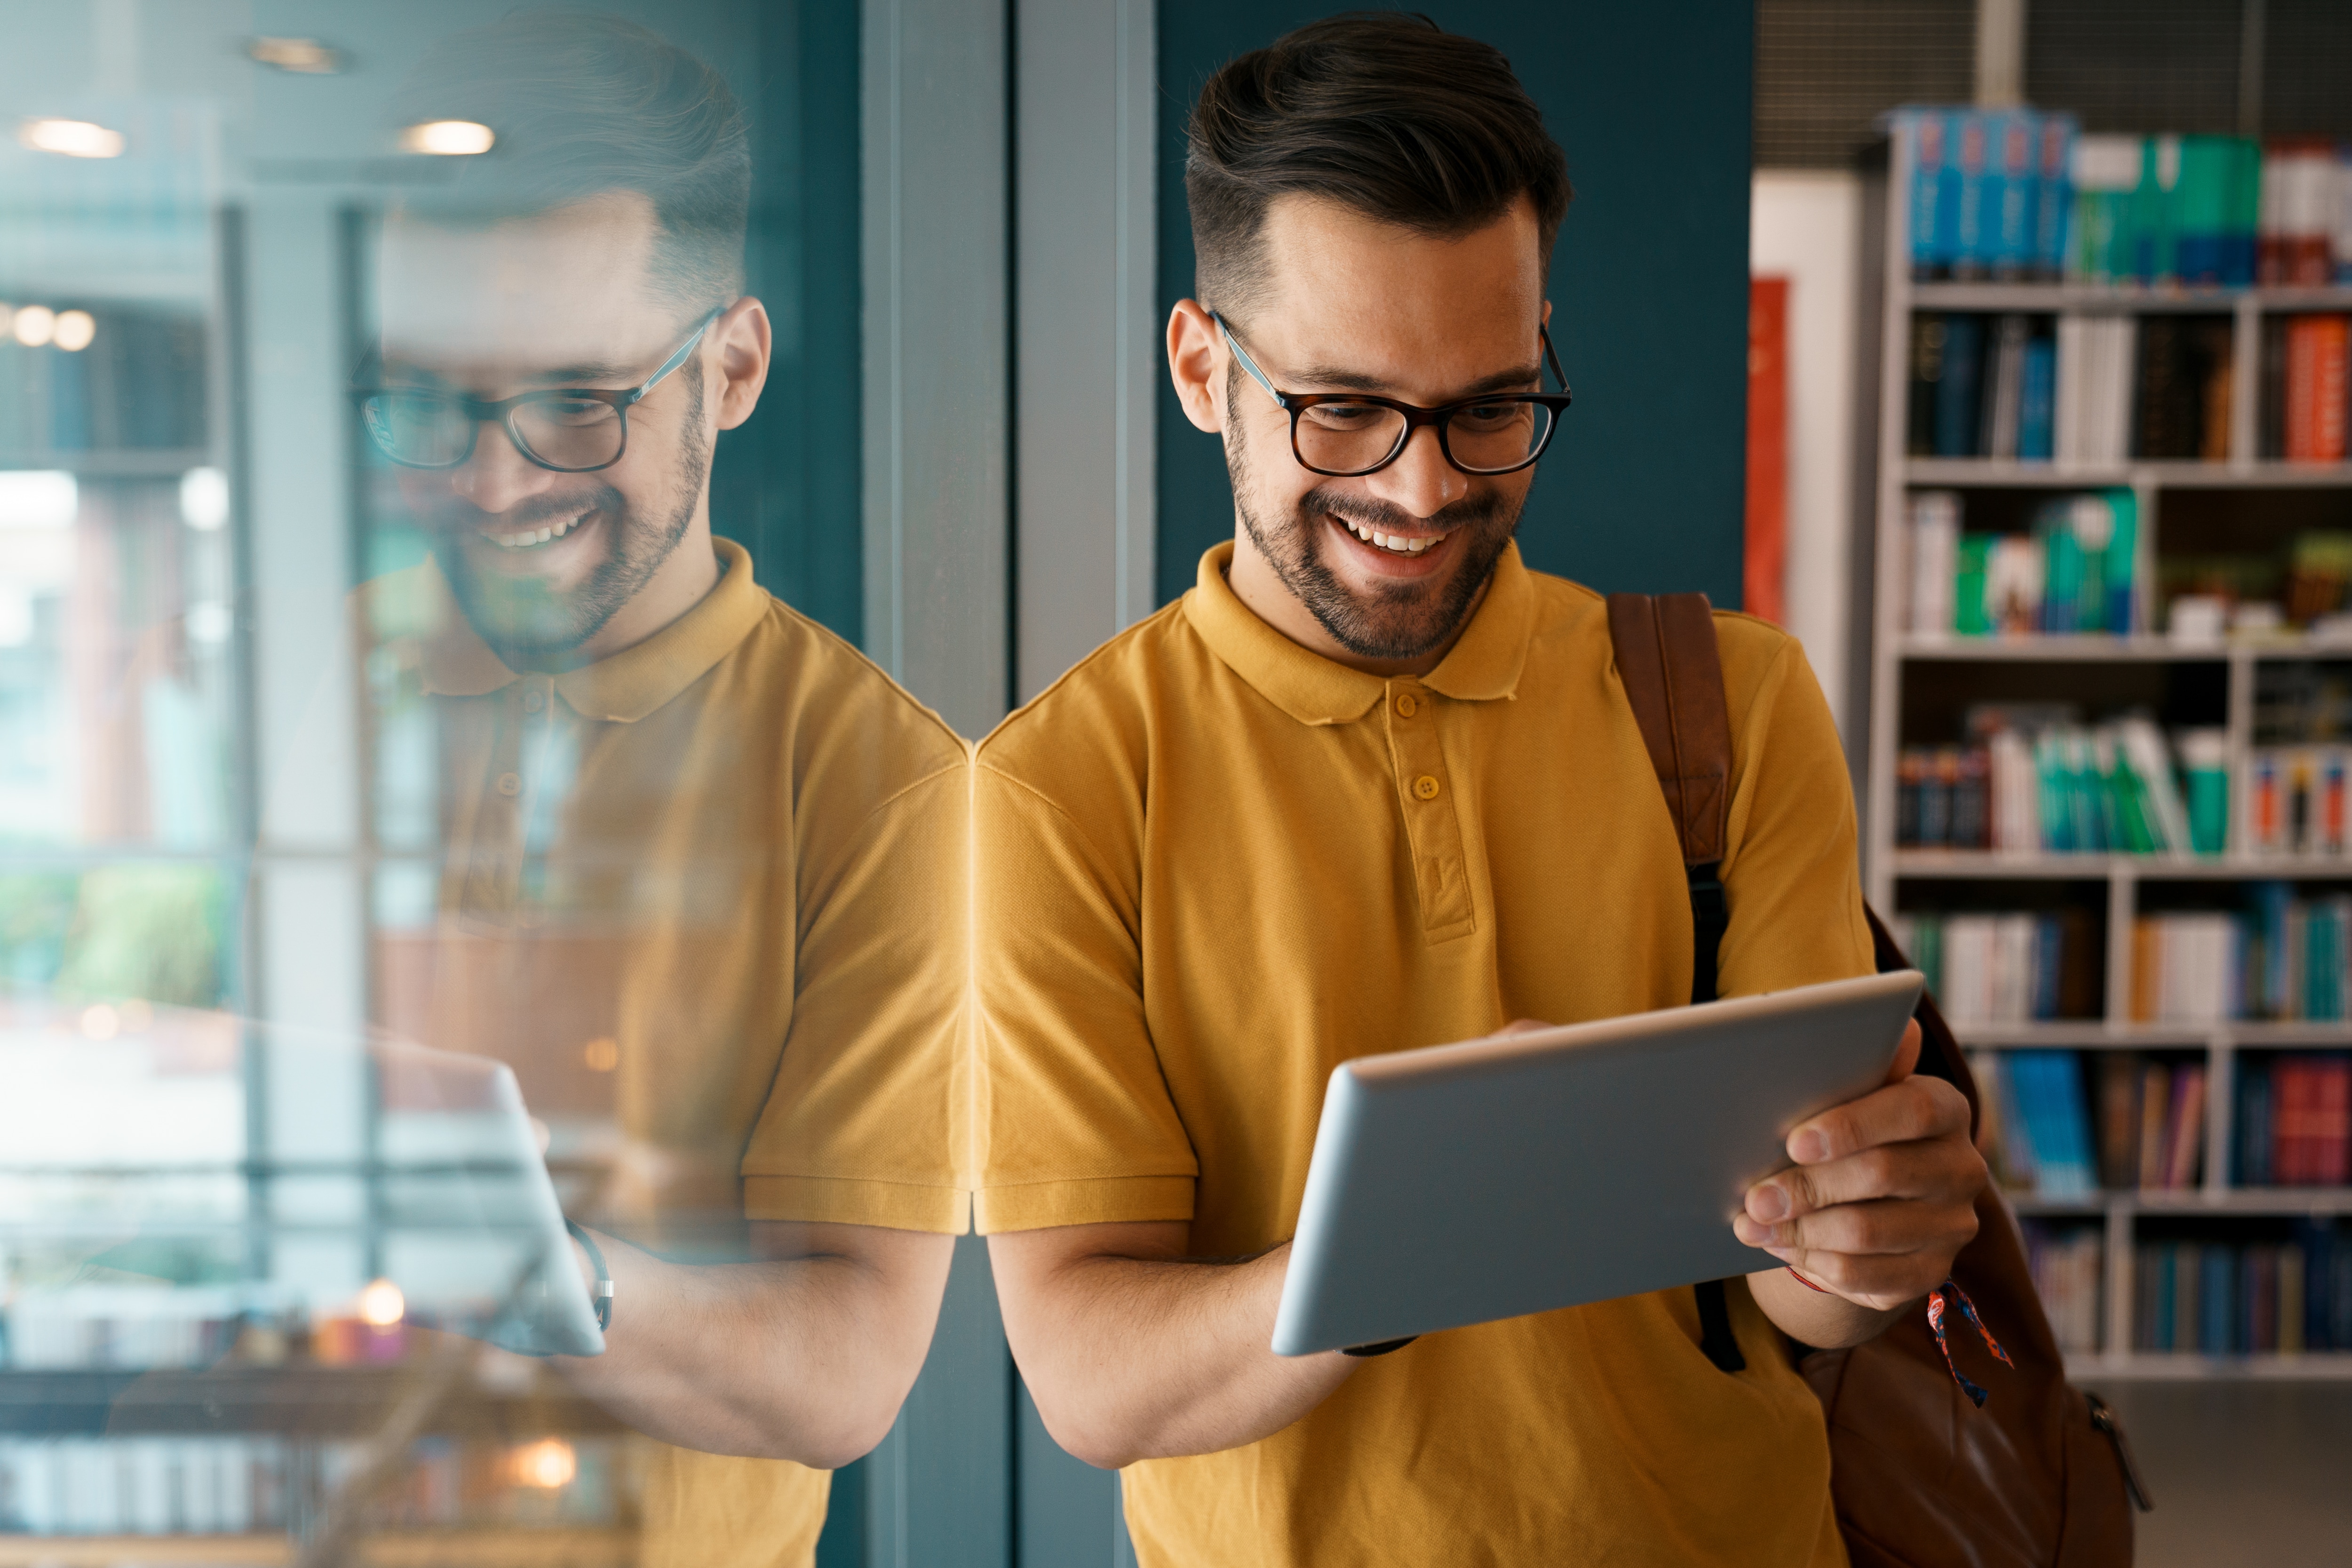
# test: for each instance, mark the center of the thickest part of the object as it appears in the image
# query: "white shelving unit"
(1898, 656)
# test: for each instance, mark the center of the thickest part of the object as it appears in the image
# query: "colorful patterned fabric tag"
(1936, 1309)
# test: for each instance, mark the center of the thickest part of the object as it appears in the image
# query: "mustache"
(1387, 517)
(453, 515)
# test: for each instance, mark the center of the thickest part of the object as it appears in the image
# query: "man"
(1373, 784)
(702, 867)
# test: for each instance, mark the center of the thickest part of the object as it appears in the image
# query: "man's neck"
(1256, 584)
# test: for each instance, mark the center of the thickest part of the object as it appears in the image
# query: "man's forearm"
(805, 1358)
(1138, 1358)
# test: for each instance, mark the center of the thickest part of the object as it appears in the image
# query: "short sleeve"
(867, 1121)
(1789, 872)
(1077, 1125)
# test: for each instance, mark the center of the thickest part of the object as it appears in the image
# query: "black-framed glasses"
(1346, 435)
(571, 429)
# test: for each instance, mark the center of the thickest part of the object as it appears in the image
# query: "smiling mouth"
(1394, 544)
(527, 538)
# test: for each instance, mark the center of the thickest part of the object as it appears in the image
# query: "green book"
(1968, 617)
(2119, 563)
(2062, 580)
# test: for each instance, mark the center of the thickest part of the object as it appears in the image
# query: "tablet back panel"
(1461, 1183)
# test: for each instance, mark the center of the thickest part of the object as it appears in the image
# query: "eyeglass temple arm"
(1247, 364)
(1543, 335)
(678, 358)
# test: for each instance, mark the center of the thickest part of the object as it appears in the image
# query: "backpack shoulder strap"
(1673, 675)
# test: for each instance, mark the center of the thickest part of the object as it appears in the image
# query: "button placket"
(1441, 873)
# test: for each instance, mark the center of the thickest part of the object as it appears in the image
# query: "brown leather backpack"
(1921, 1479)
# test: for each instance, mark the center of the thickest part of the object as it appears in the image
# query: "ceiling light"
(34, 325)
(203, 500)
(38, 497)
(381, 1305)
(73, 330)
(74, 138)
(448, 138)
(306, 56)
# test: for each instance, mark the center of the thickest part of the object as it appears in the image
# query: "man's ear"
(742, 343)
(1196, 363)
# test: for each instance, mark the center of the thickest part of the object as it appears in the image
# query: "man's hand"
(1881, 1199)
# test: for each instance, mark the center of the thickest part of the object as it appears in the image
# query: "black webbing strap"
(1709, 918)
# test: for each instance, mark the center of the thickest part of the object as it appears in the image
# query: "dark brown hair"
(1381, 112)
(582, 103)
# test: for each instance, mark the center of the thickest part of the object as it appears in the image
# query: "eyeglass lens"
(1490, 438)
(426, 431)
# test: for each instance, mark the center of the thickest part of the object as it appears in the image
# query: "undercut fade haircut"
(1383, 112)
(580, 105)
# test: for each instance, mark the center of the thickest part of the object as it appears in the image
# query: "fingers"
(1942, 1166)
(1878, 1281)
(1906, 1055)
(1913, 1108)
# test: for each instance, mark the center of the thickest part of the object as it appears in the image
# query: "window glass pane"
(442, 798)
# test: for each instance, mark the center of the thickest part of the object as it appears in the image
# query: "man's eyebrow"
(400, 373)
(1356, 381)
(576, 375)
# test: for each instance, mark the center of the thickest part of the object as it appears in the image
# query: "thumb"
(1906, 1055)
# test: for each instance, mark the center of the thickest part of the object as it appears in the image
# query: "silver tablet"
(1522, 1172)
(472, 1229)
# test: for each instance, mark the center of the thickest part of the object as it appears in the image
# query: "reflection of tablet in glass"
(1523, 1173)
(472, 1232)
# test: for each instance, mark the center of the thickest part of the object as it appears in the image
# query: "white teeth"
(530, 536)
(1394, 544)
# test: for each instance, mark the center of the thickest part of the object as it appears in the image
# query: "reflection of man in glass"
(700, 872)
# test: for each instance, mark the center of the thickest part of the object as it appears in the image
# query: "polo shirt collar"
(623, 688)
(1483, 664)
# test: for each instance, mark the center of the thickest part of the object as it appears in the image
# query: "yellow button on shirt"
(708, 893)
(1212, 864)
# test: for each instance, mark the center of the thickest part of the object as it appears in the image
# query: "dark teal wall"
(1643, 489)
(785, 484)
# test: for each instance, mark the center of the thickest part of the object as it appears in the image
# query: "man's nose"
(1421, 480)
(498, 476)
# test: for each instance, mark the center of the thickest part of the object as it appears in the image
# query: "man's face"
(1359, 306)
(540, 561)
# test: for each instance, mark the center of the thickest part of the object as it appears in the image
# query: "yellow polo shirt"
(708, 897)
(1212, 864)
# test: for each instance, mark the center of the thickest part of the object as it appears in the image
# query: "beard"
(1396, 620)
(527, 621)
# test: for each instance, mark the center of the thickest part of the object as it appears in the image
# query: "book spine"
(2037, 397)
(1960, 392)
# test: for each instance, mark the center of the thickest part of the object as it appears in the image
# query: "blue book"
(2049, 936)
(2037, 415)
(2074, 1118)
(1930, 195)
(1960, 392)
(2161, 1259)
(2012, 191)
(2253, 1129)
(2217, 1298)
(2055, 189)
(2271, 902)
(1967, 146)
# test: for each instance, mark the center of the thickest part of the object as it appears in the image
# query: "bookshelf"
(1919, 684)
